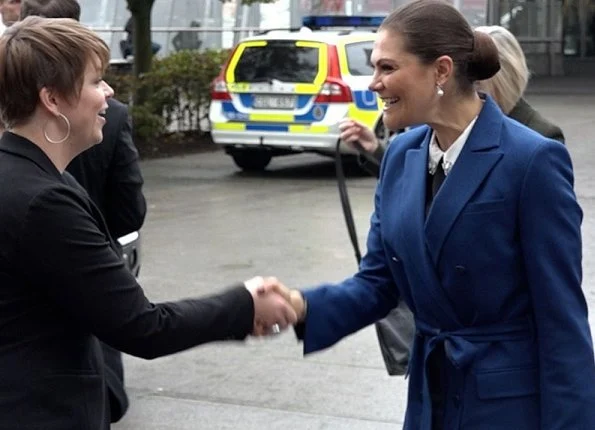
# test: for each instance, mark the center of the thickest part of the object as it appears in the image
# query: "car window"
(358, 58)
(281, 60)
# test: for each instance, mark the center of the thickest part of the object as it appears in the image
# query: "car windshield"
(280, 60)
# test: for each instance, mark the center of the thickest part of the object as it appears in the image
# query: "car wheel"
(252, 161)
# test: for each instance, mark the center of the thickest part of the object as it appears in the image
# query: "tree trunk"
(143, 55)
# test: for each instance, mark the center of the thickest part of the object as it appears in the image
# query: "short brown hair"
(432, 28)
(44, 52)
(51, 9)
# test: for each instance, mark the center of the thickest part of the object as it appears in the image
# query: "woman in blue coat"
(476, 227)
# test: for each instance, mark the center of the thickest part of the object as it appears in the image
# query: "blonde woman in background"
(508, 86)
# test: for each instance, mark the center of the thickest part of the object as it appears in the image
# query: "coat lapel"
(414, 188)
(411, 199)
(479, 155)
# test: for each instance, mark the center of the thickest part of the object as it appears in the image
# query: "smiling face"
(407, 87)
(86, 115)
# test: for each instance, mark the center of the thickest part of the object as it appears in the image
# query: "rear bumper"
(295, 142)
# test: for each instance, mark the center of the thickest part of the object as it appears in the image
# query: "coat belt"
(461, 349)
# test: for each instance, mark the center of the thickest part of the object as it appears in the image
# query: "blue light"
(316, 22)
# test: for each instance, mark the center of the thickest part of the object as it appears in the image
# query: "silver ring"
(275, 329)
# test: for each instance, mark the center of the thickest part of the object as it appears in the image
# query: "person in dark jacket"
(395, 332)
(111, 175)
(127, 45)
(64, 287)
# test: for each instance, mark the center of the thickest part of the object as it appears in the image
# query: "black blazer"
(524, 113)
(110, 172)
(63, 287)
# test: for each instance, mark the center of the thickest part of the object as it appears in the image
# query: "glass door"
(579, 28)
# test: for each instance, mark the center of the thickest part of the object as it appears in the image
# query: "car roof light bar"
(317, 22)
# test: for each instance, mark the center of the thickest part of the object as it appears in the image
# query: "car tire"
(252, 161)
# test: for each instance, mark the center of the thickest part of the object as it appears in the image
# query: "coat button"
(460, 269)
(395, 259)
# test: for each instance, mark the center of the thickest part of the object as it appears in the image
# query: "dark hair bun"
(484, 61)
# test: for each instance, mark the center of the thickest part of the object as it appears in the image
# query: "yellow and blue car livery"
(288, 90)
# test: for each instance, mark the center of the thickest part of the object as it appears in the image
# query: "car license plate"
(274, 102)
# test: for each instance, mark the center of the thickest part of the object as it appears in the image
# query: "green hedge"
(178, 88)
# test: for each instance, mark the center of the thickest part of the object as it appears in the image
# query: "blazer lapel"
(414, 189)
(479, 155)
(409, 202)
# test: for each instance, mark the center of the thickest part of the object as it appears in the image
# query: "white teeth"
(390, 101)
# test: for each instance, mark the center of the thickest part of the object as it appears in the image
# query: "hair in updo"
(432, 28)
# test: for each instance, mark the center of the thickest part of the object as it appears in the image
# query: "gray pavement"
(210, 225)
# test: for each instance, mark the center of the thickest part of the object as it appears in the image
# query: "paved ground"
(209, 225)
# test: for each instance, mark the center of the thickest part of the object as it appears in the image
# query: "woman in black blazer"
(63, 285)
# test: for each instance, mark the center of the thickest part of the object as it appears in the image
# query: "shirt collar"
(449, 156)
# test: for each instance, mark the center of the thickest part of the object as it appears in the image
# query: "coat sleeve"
(550, 223)
(125, 205)
(335, 311)
(63, 252)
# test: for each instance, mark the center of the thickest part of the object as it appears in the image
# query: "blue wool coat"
(493, 273)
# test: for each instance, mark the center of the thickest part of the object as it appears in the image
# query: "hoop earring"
(55, 142)
(439, 90)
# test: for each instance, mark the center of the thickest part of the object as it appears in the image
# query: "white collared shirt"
(450, 156)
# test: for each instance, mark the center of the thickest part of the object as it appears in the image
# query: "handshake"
(275, 306)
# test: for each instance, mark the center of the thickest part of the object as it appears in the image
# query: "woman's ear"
(444, 69)
(49, 101)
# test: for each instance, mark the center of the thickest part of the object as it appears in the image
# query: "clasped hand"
(275, 305)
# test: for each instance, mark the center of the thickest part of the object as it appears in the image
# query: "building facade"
(558, 36)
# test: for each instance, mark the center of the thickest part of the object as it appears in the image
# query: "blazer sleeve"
(125, 205)
(63, 251)
(335, 311)
(550, 232)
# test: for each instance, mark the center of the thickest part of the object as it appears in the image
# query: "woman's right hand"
(354, 131)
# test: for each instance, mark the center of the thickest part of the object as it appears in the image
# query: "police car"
(285, 91)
